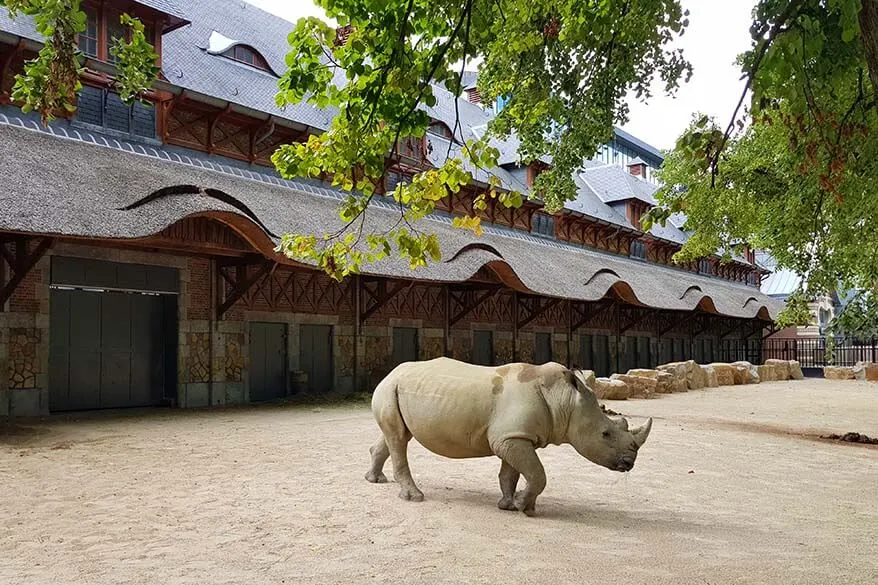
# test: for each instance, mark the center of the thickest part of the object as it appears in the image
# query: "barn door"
(601, 345)
(268, 361)
(405, 345)
(644, 355)
(315, 357)
(483, 348)
(542, 348)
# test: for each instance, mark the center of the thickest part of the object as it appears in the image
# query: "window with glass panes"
(88, 39)
(115, 30)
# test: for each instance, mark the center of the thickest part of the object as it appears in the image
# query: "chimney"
(473, 95)
(637, 168)
(342, 33)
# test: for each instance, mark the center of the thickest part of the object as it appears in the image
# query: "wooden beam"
(382, 296)
(22, 263)
(466, 309)
(643, 315)
(586, 316)
(542, 305)
(241, 284)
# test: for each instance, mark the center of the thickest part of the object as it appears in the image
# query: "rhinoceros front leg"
(521, 455)
(508, 482)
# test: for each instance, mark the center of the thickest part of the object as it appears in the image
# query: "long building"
(138, 264)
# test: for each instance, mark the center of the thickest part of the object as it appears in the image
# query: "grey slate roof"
(85, 190)
(166, 6)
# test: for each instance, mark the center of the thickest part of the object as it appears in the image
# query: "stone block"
(838, 373)
(782, 369)
(4, 402)
(194, 395)
(680, 372)
(867, 371)
(640, 387)
(607, 389)
(645, 373)
(725, 374)
(27, 402)
(712, 381)
(235, 393)
(665, 383)
(745, 373)
(796, 371)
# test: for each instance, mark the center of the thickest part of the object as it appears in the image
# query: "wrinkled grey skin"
(459, 410)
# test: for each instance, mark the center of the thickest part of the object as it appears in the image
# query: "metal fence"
(812, 352)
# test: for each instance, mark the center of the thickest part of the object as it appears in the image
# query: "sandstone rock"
(838, 373)
(712, 381)
(606, 389)
(640, 387)
(767, 373)
(665, 383)
(680, 373)
(796, 371)
(866, 371)
(588, 375)
(697, 377)
(643, 373)
(725, 374)
(782, 368)
(745, 373)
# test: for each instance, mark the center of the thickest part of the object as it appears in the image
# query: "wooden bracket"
(772, 329)
(240, 281)
(538, 306)
(468, 299)
(20, 263)
(735, 325)
(380, 296)
(582, 317)
(644, 313)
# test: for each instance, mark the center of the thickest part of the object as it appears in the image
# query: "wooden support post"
(20, 263)
(357, 301)
(446, 319)
(241, 283)
(515, 327)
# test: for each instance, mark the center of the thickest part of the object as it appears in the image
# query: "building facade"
(137, 245)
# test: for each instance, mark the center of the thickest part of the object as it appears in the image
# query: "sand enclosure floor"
(730, 488)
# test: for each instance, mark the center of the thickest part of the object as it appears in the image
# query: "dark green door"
(644, 354)
(405, 345)
(586, 352)
(483, 348)
(110, 349)
(268, 361)
(315, 357)
(542, 348)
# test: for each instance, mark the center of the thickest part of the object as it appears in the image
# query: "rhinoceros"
(459, 410)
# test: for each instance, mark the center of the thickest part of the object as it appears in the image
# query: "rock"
(838, 373)
(796, 371)
(745, 373)
(767, 373)
(866, 371)
(696, 377)
(665, 383)
(712, 381)
(679, 371)
(640, 387)
(782, 369)
(725, 374)
(606, 389)
(643, 373)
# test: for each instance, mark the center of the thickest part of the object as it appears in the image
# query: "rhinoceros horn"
(642, 432)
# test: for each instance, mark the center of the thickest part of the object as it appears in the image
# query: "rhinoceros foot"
(373, 477)
(507, 504)
(411, 494)
(526, 503)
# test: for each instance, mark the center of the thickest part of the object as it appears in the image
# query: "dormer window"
(543, 224)
(638, 249)
(411, 149)
(704, 266)
(88, 39)
(440, 129)
(248, 56)
(103, 27)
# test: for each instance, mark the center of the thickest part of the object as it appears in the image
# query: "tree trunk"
(868, 18)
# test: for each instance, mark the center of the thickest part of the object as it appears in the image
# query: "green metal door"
(315, 357)
(483, 348)
(405, 345)
(542, 348)
(268, 361)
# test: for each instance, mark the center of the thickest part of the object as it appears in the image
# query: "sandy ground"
(727, 490)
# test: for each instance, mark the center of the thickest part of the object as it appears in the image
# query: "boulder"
(666, 384)
(745, 373)
(606, 389)
(796, 371)
(838, 373)
(680, 372)
(866, 371)
(696, 377)
(782, 368)
(640, 386)
(644, 373)
(725, 374)
(712, 382)
(767, 373)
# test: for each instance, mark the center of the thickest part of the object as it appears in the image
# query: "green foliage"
(858, 319)
(796, 312)
(798, 179)
(51, 81)
(566, 65)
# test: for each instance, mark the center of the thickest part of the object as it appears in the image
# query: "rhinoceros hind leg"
(380, 453)
(401, 472)
(522, 456)
(508, 482)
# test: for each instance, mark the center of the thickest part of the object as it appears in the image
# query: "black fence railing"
(816, 352)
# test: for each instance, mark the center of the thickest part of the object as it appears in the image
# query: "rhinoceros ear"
(584, 380)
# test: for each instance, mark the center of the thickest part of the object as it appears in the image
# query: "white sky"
(717, 33)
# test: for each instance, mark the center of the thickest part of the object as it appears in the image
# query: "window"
(88, 39)
(638, 249)
(115, 31)
(248, 56)
(101, 107)
(543, 224)
(753, 279)
(440, 129)
(412, 148)
(704, 266)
